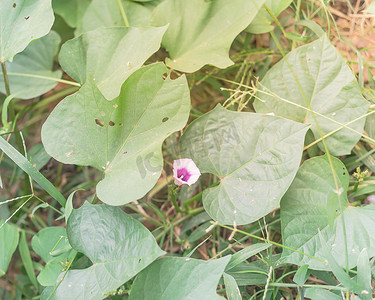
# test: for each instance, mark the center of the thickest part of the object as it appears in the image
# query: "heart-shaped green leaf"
(36, 60)
(22, 21)
(305, 209)
(262, 23)
(110, 55)
(315, 76)
(46, 240)
(255, 157)
(108, 14)
(118, 246)
(122, 137)
(201, 32)
(172, 278)
(71, 11)
(9, 237)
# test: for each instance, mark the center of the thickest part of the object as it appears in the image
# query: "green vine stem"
(268, 241)
(126, 21)
(6, 80)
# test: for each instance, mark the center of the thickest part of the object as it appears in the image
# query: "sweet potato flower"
(185, 171)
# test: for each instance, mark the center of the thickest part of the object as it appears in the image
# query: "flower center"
(183, 174)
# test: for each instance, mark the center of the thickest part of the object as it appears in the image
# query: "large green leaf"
(118, 246)
(122, 137)
(262, 23)
(316, 76)
(307, 207)
(108, 14)
(255, 157)
(9, 237)
(71, 11)
(36, 60)
(172, 278)
(22, 21)
(110, 55)
(201, 32)
(46, 240)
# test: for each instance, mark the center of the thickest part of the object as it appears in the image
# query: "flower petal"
(189, 165)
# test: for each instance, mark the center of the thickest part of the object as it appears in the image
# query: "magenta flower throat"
(185, 171)
(183, 174)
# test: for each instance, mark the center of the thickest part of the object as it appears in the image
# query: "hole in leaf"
(165, 75)
(14, 5)
(344, 173)
(26, 18)
(120, 124)
(99, 122)
(111, 123)
(165, 119)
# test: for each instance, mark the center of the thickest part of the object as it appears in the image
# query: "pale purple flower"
(185, 171)
(370, 199)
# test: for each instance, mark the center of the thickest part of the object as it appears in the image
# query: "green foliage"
(246, 253)
(306, 210)
(255, 157)
(107, 14)
(9, 237)
(26, 259)
(37, 59)
(182, 278)
(71, 10)
(128, 131)
(33, 172)
(316, 77)
(46, 243)
(105, 54)
(233, 293)
(22, 22)
(118, 246)
(317, 294)
(262, 23)
(200, 32)
(364, 275)
(126, 119)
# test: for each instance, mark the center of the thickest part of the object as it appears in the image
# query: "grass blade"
(364, 274)
(26, 259)
(231, 287)
(301, 275)
(26, 166)
(244, 254)
(340, 274)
